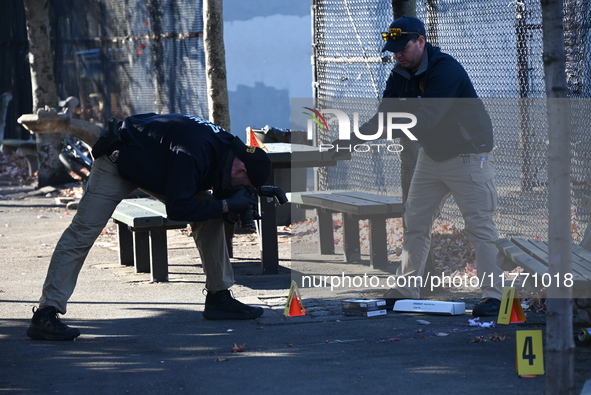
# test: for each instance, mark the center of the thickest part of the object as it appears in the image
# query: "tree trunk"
(559, 319)
(51, 170)
(215, 55)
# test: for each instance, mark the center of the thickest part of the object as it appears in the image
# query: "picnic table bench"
(141, 228)
(532, 256)
(353, 206)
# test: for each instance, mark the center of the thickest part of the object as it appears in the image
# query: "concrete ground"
(150, 338)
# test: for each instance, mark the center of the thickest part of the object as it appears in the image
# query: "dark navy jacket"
(175, 156)
(451, 120)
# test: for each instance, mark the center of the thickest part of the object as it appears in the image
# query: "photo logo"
(394, 121)
(316, 116)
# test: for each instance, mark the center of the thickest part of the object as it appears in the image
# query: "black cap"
(407, 24)
(256, 161)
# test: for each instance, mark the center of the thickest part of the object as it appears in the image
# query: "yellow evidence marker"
(510, 311)
(530, 353)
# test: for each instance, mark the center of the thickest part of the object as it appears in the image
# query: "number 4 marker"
(530, 353)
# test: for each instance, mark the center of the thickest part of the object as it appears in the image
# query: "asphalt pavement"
(150, 338)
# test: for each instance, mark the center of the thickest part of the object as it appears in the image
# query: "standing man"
(456, 138)
(178, 158)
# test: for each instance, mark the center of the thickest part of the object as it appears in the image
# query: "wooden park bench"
(532, 256)
(354, 206)
(141, 228)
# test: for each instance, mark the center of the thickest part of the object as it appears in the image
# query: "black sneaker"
(391, 297)
(222, 306)
(46, 325)
(487, 307)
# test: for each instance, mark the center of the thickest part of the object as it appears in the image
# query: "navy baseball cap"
(401, 31)
(256, 161)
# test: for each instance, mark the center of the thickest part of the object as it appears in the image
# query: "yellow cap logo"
(251, 150)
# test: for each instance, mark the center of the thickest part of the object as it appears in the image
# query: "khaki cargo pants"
(470, 181)
(105, 189)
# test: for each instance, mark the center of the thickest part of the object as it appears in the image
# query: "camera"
(246, 219)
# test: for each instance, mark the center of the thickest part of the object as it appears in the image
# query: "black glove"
(241, 201)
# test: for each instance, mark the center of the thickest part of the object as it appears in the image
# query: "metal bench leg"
(125, 237)
(378, 243)
(159, 255)
(268, 230)
(325, 232)
(351, 240)
(141, 246)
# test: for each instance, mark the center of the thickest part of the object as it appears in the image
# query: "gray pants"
(470, 181)
(104, 190)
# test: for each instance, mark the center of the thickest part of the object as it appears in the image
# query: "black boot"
(222, 306)
(391, 297)
(46, 325)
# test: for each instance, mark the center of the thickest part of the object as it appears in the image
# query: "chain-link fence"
(121, 57)
(500, 45)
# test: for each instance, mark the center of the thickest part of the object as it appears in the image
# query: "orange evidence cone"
(517, 316)
(295, 308)
(254, 141)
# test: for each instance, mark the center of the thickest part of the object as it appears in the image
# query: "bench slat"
(355, 203)
(530, 255)
(137, 217)
(395, 205)
(520, 257)
(584, 264)
(346, 204)
(296, 197)
(371, 197)
(144, 213)
(580, 264)
(154, 206)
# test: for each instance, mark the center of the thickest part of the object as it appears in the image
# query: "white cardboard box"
(430, 307)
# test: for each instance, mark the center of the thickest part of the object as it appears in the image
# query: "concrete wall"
(268, 52)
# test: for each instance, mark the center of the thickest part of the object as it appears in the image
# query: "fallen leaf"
(497, 337)
(392, 339)
(238, 348)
